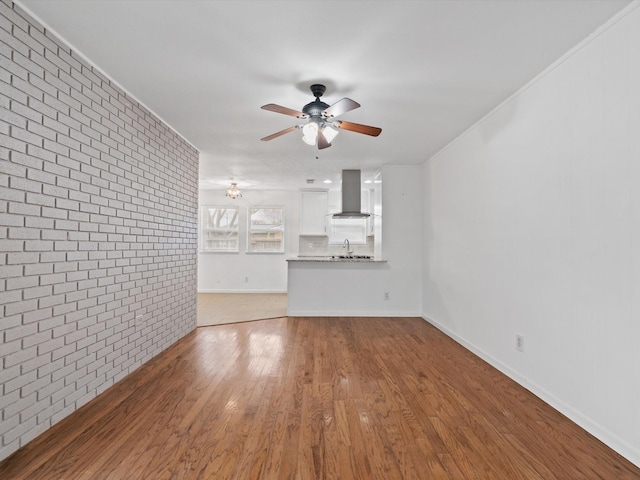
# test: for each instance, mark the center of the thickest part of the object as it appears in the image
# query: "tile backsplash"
(318, 246)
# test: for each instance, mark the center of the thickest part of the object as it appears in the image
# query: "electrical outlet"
(246, 279)
(520, 343)
(386, 295)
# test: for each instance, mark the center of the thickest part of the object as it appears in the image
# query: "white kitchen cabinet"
(313, 213)
(370, 196)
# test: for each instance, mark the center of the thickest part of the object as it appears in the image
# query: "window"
(266, 230)
(220, 229)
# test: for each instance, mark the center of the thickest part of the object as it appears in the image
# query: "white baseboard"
(342, 313)
(239, 291)
(628, 451)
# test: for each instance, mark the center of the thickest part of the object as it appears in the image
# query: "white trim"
(628, 451)
(213, 290)
(342, 313)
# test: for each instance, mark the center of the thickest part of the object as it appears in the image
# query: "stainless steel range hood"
(351, 200)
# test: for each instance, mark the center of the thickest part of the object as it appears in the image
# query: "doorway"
(221, 308)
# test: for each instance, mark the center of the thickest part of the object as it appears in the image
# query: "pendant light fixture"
(233, 191)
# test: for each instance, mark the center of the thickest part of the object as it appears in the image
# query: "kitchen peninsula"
(331, 286)
(339, 271)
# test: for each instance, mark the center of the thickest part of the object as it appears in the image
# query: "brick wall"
(98, 231)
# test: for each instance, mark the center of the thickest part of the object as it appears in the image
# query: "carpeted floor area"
(220, 308)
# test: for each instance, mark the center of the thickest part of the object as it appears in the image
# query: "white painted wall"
(267, 272)
(532, 227)
(402, 206)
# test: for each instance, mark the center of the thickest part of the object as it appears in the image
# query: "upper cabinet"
(313, 213)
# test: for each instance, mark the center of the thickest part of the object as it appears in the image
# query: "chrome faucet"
(346, 245)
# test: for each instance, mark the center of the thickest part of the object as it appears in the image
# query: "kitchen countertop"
(331, 259)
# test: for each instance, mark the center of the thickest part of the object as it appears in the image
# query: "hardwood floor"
(317, 398)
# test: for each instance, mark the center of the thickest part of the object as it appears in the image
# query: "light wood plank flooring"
(219, 308)
(317, 398)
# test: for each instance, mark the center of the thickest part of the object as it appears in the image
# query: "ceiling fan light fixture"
(233, 191)
(330, 132)
(320, 129)
(310, 133)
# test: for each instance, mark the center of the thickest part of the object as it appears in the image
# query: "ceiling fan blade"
(322, 140)
(341, 106)
(359, 128)
(272, 107)
(277, 134)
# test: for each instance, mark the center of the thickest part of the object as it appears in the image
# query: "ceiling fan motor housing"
(318, 89)
(314, 109)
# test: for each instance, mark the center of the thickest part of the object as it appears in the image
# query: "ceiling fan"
(321, 127)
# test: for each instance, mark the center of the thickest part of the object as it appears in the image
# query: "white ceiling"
(423, 71)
